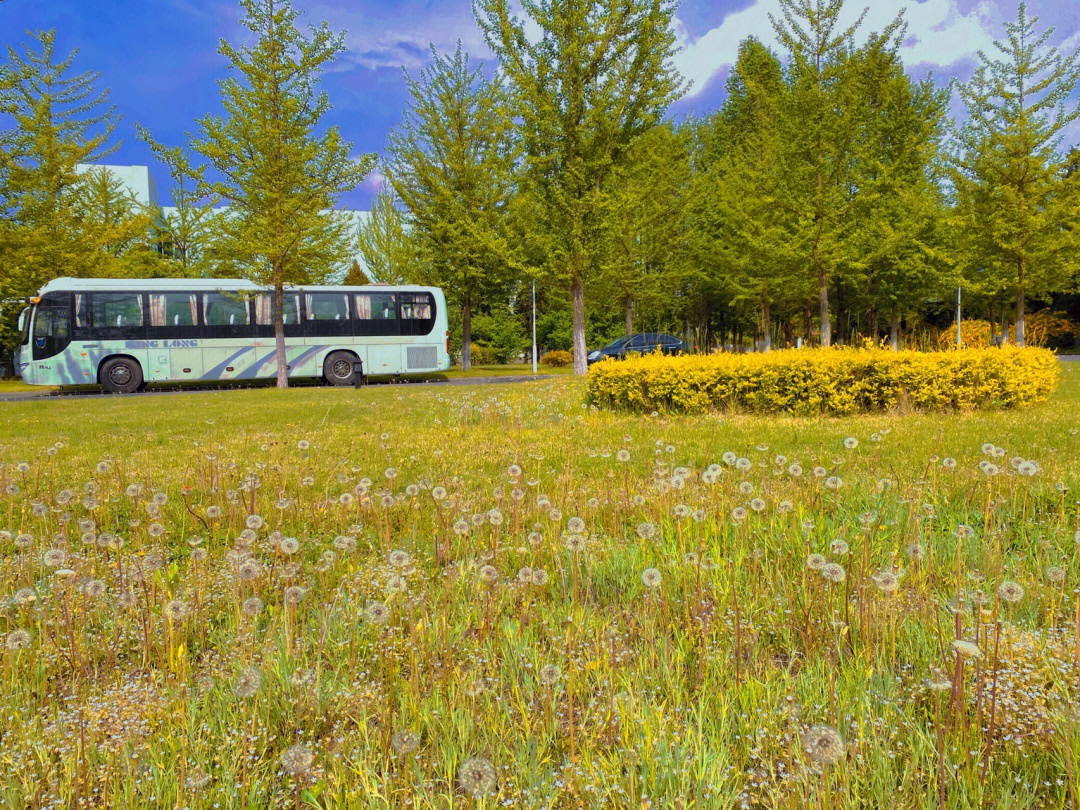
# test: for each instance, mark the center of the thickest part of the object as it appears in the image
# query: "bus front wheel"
(121, 375)
(338, 368)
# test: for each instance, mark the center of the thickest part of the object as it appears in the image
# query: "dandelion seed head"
(476, 777)
(824, 744)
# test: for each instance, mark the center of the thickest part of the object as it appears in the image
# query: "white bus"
(123, 333)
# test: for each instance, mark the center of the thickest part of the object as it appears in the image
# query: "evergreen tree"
(649, 195)
(822, 129)
(278, 174)
(451, 167)
(751, 219)
(356, 277)
(59, 121)
(115, 228)
(595, 76)
(1009, 172)
(900, 257)
(389, 249)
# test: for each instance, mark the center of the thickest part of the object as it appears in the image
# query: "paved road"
(53, 396)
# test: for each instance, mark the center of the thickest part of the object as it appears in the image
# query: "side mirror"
(22, 320)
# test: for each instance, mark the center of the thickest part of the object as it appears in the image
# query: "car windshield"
(618, 344)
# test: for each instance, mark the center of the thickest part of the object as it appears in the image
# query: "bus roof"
(223, 284)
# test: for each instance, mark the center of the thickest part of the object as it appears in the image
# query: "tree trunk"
(993, 324)
(808, 317)
(843, 315)
(894, 330)
(872, 324)
(1004, 327)
(279, 336)
(789, 333)
(577, 296)
(628, 313)
(766, 322)
(823, 300)
(466, 335)
(1021, 336)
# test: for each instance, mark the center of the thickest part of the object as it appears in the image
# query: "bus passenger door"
(376, 323)
(173, 336)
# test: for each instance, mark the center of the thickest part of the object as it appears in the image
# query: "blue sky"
(159, 57)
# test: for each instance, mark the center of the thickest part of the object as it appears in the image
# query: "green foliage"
(503, 332)
(827, 160)
(185, 235)
(555, 329)
(483, 355)
(355, 277)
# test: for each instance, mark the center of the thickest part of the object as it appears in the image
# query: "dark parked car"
(642, 343)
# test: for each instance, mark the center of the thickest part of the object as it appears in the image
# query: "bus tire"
(121, 375)
(338, 368)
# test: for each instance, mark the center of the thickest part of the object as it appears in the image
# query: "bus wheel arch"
(338, 367)
(120, 374)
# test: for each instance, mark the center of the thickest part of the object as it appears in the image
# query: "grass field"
(497, 597)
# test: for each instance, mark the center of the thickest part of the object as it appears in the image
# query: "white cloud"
(938, 34)
(401, 36)
(374, 181)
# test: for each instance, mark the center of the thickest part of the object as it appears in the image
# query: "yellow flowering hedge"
(832, 381)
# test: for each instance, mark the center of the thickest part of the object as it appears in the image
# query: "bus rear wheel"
(338, 368)
(121, 375)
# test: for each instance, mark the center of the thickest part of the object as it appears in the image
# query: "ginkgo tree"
(1010, 171)
(274, 164)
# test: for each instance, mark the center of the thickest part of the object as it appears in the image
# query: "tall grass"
(488, 597)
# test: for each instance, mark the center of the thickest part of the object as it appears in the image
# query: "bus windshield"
(24, 324)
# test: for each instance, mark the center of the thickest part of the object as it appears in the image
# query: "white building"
(138, 181)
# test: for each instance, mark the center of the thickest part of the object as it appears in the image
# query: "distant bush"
(482, 355)
(1055, 330)
(974, 334)
(832, 381)
(557, 358)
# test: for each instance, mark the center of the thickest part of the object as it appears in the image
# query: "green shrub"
(833, 381)
(557, 358)
(482, 355)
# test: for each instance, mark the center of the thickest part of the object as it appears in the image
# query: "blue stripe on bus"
(216, 371)
(253, 370)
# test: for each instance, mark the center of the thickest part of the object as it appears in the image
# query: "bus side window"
(264, 309)
(116, 311)
(223, 311)
(416, 313)
(173, 309)
(376, 314)
(326, 306)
